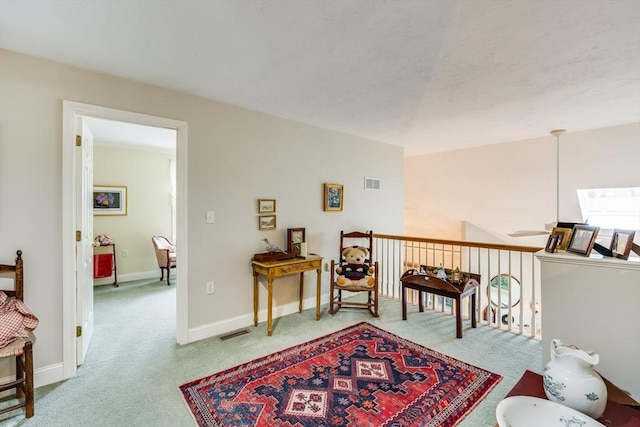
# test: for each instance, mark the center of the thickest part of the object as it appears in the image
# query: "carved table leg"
(318, 291)
(473, 309)
(270, 306)
(300, 292)
(255, 299)
(458, 318)
(404, 302)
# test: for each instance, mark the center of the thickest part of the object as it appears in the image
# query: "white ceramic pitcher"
(570, 380)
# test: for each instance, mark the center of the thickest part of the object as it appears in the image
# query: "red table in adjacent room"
(104, 264)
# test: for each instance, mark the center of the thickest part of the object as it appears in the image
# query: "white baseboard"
(55, 373)
(41, 377)
(246, 320)
(48, 375)
(129, 277)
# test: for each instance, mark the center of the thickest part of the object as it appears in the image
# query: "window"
(610, 208)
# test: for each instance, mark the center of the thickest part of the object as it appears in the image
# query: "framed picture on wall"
(266, 206)
(109, 200)
(267, 222)
(333, 197)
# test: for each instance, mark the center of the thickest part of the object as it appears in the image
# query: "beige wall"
(145, 173)
(235, 156)
(507, 187)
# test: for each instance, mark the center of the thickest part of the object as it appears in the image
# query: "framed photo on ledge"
(109, 200)
(621, 243)
(552, 243)
(563, 237)
(333, 197)
(582, 239)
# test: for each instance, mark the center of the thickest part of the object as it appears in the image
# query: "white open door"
(84, 245)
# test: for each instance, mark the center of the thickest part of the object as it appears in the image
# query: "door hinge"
(78, 141)
(78, 235)
(78, 331)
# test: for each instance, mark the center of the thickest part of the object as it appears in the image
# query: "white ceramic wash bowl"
(525, 411)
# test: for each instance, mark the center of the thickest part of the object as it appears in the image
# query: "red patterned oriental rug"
(359, 376)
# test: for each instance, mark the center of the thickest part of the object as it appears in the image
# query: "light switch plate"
(211, 217)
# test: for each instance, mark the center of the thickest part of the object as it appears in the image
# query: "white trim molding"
(71, 111)
(246, 320)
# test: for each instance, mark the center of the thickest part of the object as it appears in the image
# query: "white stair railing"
(509, 294)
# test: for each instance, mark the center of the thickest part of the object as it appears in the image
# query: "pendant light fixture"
(557, 133)
(549, 226)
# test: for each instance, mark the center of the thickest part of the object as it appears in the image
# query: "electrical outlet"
(209, 287)
(125, 253)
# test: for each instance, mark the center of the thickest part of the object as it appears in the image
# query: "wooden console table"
(433, 285)
(285, 267)
(114, 270)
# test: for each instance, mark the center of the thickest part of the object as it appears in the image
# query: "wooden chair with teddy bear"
(355, 272)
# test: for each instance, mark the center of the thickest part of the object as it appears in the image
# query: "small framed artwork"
(621, 243)
(582, 239)
(109, 200)
(266, 206)
(333, 197)
(295, 237)
(267, 222)
(552, 243)
(563, 237)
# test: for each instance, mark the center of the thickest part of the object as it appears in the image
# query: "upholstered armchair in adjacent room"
(165, 254)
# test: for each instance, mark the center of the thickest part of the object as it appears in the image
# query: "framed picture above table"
(267, 222)
(109, 200)
(266, 206)
(333, 197)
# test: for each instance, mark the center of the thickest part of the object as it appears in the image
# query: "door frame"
(70, 112)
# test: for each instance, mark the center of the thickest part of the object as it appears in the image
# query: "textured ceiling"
(429, 75)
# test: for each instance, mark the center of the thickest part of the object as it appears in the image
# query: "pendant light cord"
(557, 179)
(557, 134)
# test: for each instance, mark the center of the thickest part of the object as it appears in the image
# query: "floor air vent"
(233, 335)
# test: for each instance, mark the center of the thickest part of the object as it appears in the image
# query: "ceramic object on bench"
(526, 411)
(569, 379)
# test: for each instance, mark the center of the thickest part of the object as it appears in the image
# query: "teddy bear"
(353, 270)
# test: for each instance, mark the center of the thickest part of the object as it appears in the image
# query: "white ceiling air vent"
(371, 183)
